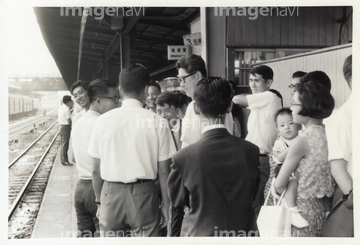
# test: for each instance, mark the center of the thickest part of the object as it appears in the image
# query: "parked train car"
(21, 106)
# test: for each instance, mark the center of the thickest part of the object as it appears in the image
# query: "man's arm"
(240, 100)
(164, 170)
(96, 179)
(341, 175)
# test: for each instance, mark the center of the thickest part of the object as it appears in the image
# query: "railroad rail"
(28, 176)
(27, 123)
(29, 147)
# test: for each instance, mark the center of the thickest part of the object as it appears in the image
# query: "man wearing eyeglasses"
(191, 69)
(296, 77)
(103, 96)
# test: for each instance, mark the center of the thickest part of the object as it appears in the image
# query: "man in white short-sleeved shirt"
(102, 96)
(191, 69)
(262, 131)
(64, 120)
(340, 222)
(134, 146)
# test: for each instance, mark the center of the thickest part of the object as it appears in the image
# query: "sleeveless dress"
(314, 179)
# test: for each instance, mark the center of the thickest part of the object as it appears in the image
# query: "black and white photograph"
(226, 121)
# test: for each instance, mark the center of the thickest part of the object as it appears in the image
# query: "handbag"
(274, 221)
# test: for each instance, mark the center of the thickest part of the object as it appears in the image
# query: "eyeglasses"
(182, 78)
(116, 98)
(291, 86)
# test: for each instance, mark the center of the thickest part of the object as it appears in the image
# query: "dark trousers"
(129, 210)
(177, 215)
(65, 137)
(85, 206)
(264, 176)
(340, 221)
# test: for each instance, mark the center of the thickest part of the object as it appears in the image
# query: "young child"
(287, 130)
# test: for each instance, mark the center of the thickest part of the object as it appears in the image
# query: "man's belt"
(138, 181)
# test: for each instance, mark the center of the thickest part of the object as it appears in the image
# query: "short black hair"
(166, 98)
(282, 111)
(181, 99)
(79, 83)
(233, 84)
(298, 74)
(213, 96)
(347, 68)
(315, 97)
(192, 63)
(66, 99)
(134, 78)
(100, 87)
(155, 84)
(318, 76)
(265, 71)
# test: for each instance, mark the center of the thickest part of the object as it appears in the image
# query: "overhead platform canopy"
(104, 45)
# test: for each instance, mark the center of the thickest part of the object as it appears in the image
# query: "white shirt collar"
(92, 112)
(131, 103)
(210, 127)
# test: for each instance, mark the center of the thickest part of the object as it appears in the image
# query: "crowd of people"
(155, 163)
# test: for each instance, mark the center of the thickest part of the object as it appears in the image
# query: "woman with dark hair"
(308, 154)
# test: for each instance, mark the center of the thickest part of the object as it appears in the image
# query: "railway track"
(28, 124)
(28, 177)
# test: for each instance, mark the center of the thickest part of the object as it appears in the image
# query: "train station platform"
(57, 215)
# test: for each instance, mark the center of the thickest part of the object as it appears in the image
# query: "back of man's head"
(265, 71)
(213, 96)
(66, 99)
(100, 87)
(192, 63)
(347, 68)
(134, 78)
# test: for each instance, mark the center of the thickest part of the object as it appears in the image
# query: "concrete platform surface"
(57, 216)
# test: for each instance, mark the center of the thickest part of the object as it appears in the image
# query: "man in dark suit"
(216, 177)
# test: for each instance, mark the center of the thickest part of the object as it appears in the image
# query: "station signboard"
(176, 52)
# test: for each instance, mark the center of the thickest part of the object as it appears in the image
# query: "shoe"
(66, 164)
(296, 218)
